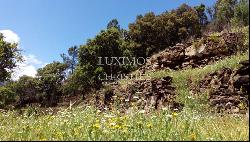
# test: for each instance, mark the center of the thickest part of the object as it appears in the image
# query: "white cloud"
(10, 36)
(29, 65)
(32, 59)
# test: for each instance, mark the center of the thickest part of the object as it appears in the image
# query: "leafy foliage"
(113, 24)
(9, 56)
(50, 81)
(71, 58)
(109, 43)
(152, 33)
(241, 14)
(27, 89)
(226, 13)
(7, 96)
(201, 13)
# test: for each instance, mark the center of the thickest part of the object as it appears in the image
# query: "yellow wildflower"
(174, 114)
(96, 126)
(193, 137)
(149, 125)
(241, 105)
(118, 127)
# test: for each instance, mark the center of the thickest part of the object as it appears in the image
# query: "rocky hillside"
(226, 87)
(196, 53)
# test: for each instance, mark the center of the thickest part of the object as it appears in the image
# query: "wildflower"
(109, 116)
(211, 139)
(149, 125)
(59, 135)
(241, 105)
(117, 127)
(112, 124)
(193, 137)
(43, 139)
(96, 126)
(174, 114)
(142, 111)
(190, 97)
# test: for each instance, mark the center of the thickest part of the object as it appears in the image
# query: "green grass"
(197, 73)
(88, 124)
(193, 123)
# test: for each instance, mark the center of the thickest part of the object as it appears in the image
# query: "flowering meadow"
(91, 124)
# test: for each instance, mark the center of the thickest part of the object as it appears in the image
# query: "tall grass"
(89, 124)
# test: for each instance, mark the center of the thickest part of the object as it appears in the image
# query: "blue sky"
(49, 27)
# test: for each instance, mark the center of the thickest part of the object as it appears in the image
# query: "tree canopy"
(9, 57)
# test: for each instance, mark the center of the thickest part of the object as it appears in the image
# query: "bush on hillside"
(7, 96)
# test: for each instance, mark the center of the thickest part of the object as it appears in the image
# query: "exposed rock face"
(155, 93)
(199, 53)
(228, 89)
(147, 94)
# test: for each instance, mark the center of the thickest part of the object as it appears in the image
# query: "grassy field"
(193, 123)
(88, 124)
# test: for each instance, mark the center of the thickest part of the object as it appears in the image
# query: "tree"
(151, 33)
(148, 34)
(83, 80)
(27, 89)
(211, 12)
(50, 79)
(201, 13)
(241, 13)
(71, 58)
(7, 96)
(143, 33)
(113, 24)
(107, 44)
(224, 12)
(9, 56)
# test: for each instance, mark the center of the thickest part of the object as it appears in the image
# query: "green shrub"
(7, 96)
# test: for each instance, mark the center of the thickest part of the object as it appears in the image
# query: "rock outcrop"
(144, 94)
(227, 89)
(196, 54)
